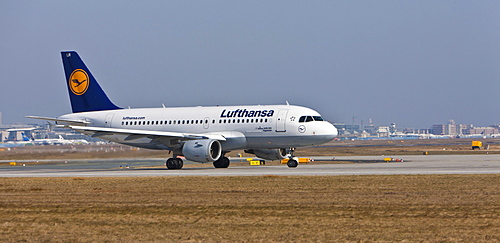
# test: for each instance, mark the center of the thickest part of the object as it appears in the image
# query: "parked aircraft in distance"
(12, 138)
(59, 141)
(200, 134)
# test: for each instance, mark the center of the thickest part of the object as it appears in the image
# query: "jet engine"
(203, 150)
(270, 154)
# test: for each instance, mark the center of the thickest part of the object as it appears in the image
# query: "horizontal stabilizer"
(81, 122)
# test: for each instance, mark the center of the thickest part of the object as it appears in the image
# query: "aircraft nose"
(331, 131)
(327, 132)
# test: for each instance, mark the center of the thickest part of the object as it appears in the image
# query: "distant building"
(347, 129)
(480, 130)
(392, 128)
(441, 129)
(383, 129)
(453, 129)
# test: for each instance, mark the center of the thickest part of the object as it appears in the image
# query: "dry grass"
(267, 209)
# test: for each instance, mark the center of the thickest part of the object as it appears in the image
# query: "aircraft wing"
(136, 134)
(158, 139)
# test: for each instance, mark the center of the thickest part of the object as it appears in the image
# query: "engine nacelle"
(270, 154)
(203, 150)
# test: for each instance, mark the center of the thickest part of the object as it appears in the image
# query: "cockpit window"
(310, 118)
(306, 119)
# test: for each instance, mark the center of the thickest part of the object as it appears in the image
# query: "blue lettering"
(246, 113)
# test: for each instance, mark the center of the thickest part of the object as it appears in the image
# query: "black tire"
(174, 163)
(180, 163)
(292, 163)
(222, 162)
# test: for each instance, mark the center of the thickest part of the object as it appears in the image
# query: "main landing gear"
(222, 162)
(177, 163)
(174, 163)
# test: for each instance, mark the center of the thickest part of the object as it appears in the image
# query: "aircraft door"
(206, 122)
(108, 119)
(281, 121)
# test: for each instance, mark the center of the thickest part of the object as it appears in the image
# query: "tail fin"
(84, 91)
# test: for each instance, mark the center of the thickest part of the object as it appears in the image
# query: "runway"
(418, 164)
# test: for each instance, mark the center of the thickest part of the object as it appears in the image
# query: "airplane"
(200, 134)
(12, 138)
(58, 141)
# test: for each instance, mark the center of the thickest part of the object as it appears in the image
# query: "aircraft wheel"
(174, 163)
(180, 163)
(292, 163)
(222, 162)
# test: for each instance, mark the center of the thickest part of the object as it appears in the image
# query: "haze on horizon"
(415, 63)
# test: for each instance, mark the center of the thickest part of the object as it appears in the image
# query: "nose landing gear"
(292, 163)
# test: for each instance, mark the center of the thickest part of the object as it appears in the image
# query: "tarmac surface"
(362, 165)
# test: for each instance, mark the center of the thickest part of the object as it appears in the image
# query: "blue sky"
(415, 63)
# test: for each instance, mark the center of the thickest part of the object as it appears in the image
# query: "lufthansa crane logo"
(79, 82)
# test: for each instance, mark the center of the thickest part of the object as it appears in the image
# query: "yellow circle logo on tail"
(79, 82)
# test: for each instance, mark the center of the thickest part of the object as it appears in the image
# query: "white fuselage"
(243, 127)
